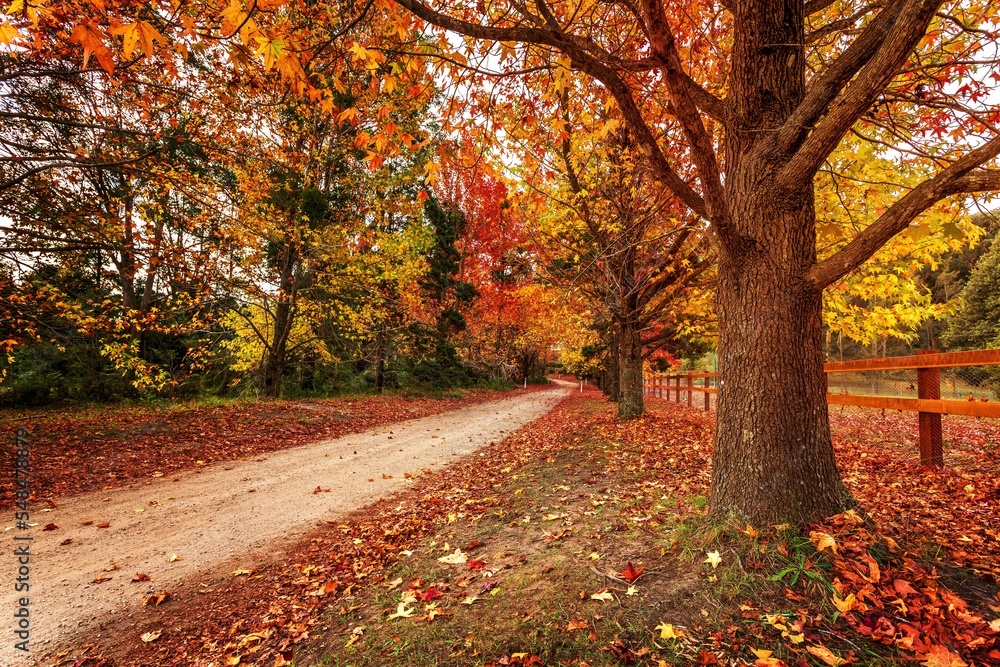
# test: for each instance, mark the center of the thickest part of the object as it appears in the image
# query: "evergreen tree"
(977, 324)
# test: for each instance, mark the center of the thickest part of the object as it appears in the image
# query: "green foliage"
(977, 323)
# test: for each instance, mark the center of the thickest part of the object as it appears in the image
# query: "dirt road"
(171, 527)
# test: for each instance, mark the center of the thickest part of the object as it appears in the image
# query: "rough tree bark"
(773, 456)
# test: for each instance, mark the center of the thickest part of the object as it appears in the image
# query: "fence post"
(708, 396)
(931, 441)
(690, 390)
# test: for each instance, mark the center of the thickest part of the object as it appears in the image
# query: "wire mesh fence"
(971, 383)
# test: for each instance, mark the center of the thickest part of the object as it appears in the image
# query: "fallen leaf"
(939, 656)
(456, 558)
(713, 558)
(50, 526)
(827, 656)
(173, 558)
(140, 577)
(631, 573)
(576, 625)
(402, 611)
(151, 636)
(769, 662)
(844, 605)
(823, 541)
(603, 595)
(667, 631)
(156, 599)
(106, 524)
(430, 594)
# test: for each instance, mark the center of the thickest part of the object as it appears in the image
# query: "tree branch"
(588, 64)
(903, 36)
(644, 136)
(957, 178)
(825, 86)
(664, 49)
(814, 6)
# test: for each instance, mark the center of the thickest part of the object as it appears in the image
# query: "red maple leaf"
(631, 572)
(430, 594)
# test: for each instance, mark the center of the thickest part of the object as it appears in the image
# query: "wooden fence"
(928, 405)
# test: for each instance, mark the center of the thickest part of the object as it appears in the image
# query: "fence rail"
(928, 404)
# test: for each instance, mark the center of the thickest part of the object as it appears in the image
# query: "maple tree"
(738, 105)
(606, 228)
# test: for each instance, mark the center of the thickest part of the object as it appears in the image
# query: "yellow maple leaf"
(402, 611)
(823, 541)
(603, 596)
(667, 631)
(455, 558)
(713, 558)
(844, 605)
(8, 33)
(827, 656)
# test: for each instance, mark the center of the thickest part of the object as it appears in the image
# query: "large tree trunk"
(773, 457)
(630, 401)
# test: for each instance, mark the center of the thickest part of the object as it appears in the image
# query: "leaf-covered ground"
(86, 449)
(583, 541)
